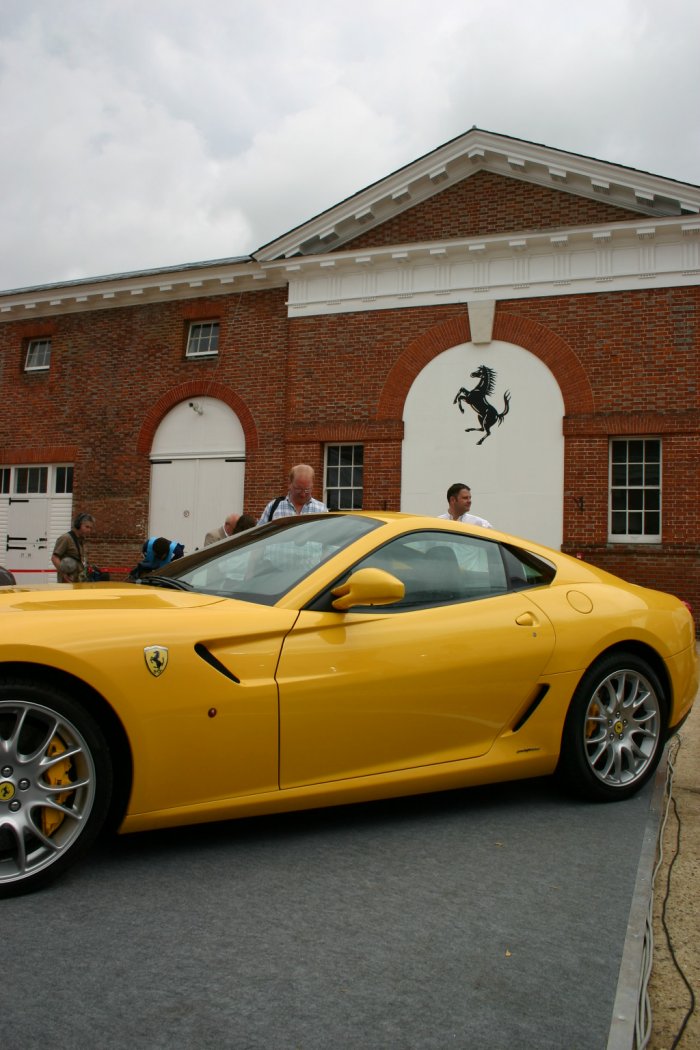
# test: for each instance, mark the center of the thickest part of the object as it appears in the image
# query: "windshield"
(262, 564)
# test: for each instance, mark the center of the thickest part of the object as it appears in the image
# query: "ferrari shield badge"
(156, 659)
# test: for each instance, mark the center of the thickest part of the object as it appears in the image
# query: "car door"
(431, 679)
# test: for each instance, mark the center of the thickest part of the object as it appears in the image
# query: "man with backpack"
(298, 499)
(69, 554)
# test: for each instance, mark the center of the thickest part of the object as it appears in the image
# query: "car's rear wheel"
(55, 784)
(615, 729)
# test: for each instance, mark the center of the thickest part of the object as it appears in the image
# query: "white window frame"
(63, 472)
(31, 481)
(200, 341)
(335, 477)
(38, 357)
(635, 494)
(37, 479)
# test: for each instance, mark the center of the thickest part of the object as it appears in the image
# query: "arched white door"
(197, 471)
(516, 473)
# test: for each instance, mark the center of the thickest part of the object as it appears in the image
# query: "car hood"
(89, 597)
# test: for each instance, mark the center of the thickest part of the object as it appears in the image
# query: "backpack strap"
(275, 504)
(77, 546)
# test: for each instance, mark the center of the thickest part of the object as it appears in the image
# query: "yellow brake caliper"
(56, 776)
(590, 724)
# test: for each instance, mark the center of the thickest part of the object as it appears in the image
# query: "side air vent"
(201, 650)
(530, 710)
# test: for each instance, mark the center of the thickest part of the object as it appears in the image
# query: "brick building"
(550, 298)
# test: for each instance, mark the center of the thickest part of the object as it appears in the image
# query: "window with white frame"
(63, 480)
(38, 357)
(635, 490)
(36, 481)
(343, 487)
(30, 481)
(203, 339)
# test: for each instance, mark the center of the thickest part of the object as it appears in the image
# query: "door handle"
(527, 619)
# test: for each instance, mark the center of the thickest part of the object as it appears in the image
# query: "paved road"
(484, 919)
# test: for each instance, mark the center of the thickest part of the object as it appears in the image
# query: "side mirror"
(368, 587)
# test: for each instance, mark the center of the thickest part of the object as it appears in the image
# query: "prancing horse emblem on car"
(156, 659)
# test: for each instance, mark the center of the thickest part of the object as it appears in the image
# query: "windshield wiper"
(166, 581)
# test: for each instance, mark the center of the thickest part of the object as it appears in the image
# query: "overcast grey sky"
(146, 133)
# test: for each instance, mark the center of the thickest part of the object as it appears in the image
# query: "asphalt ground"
(488, 918)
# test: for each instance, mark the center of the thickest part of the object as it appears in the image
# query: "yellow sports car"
(324, 659)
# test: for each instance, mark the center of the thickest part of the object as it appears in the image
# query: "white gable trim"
(201, 280)
(637, 191)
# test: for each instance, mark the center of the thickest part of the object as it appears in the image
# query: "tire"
(51, 808)
(615, 729)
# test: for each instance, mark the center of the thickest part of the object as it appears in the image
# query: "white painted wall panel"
(516, 475)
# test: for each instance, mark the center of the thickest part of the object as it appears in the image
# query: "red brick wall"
(109, 368)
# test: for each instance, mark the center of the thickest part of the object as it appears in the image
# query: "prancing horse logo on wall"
(156, 659)
(477, 399)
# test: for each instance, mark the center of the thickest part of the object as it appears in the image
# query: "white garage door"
(197, 471)
(189, 497)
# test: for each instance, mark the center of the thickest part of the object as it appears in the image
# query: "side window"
(436, 568)
(525, 570)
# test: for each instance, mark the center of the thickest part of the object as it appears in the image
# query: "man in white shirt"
(459, 501)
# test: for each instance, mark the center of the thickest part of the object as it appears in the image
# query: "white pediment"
(638, 191)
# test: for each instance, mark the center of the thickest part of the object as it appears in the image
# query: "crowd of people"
(70, 557)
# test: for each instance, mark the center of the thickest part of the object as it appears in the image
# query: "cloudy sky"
(146, 133)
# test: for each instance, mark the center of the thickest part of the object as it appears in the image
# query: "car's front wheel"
(615, 729)
(55, 784)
